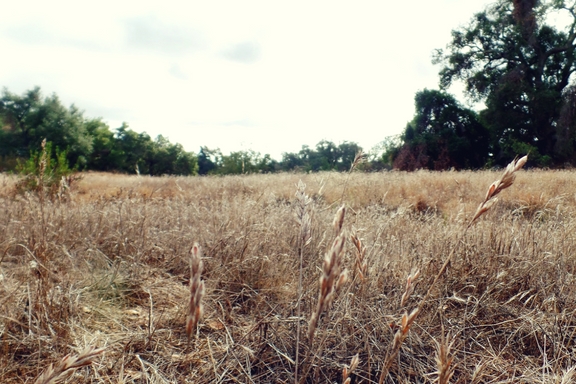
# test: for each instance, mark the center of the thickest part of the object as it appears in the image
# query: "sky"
(267, 76)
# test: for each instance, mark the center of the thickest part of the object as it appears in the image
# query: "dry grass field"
(108, 268)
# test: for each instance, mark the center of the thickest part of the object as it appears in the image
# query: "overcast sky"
(264, 75)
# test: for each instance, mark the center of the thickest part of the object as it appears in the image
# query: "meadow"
(102, 274)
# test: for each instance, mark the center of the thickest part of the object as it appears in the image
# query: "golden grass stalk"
(399, 337)
(412, 277)
(196, 290)
(498, 186)
(359, 158)
(360, 264)
(339, 220)
(444, 362)
(332, 277)
(304, 219)
(347, 371)
(55, 374)
(303, 214)
(42, 168)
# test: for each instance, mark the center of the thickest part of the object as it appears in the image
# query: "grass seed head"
(195, 308)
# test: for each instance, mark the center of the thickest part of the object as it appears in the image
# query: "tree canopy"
(26, 120)
(442, 135)
(511, 57)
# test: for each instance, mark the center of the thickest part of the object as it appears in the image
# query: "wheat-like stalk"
(399, 337)
(303, 214)
(444, 362)
(359, 158)
(43, 163)
(347, 371)
(196, 290)
(498, 186)
(332, 277)
(55, 374)
(412, 277)
(360, 264)
(304, 219)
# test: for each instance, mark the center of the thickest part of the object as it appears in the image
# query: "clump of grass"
(68, 364)
(495, 188)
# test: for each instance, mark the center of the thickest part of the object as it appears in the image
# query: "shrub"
(46, 172)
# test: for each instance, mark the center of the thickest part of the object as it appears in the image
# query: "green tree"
(327, 156)
(133, 150)
(207, 160)
(291, 161)
(166, 158)
(104, 156)
(30, 118)
(566, 144)
(346, 153)
(242, 162)
(510, 57)
(443, 134)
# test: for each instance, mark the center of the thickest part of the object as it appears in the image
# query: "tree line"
(89, 144)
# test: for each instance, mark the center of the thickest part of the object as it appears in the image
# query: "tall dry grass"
(115, 274)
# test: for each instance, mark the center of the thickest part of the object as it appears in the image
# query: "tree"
(133, 150)
(29, 119)
(291, 161)
(166, 158)
(511, 58)
(443, 134)
(346, 153)
(105, 155)
(207, 160)
(242, 162)
(566, 144)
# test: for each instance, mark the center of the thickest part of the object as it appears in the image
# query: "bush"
(46, 172)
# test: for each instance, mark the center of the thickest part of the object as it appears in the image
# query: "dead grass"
(110, 269)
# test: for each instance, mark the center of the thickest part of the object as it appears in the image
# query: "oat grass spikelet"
(56, 374)
(332, 277)
(196, 290)
(409, 287)
(399, 337)
(303, 214)
(360, 264)
(347, 371)
(498, 186)
(444, 362)
(304, 220)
